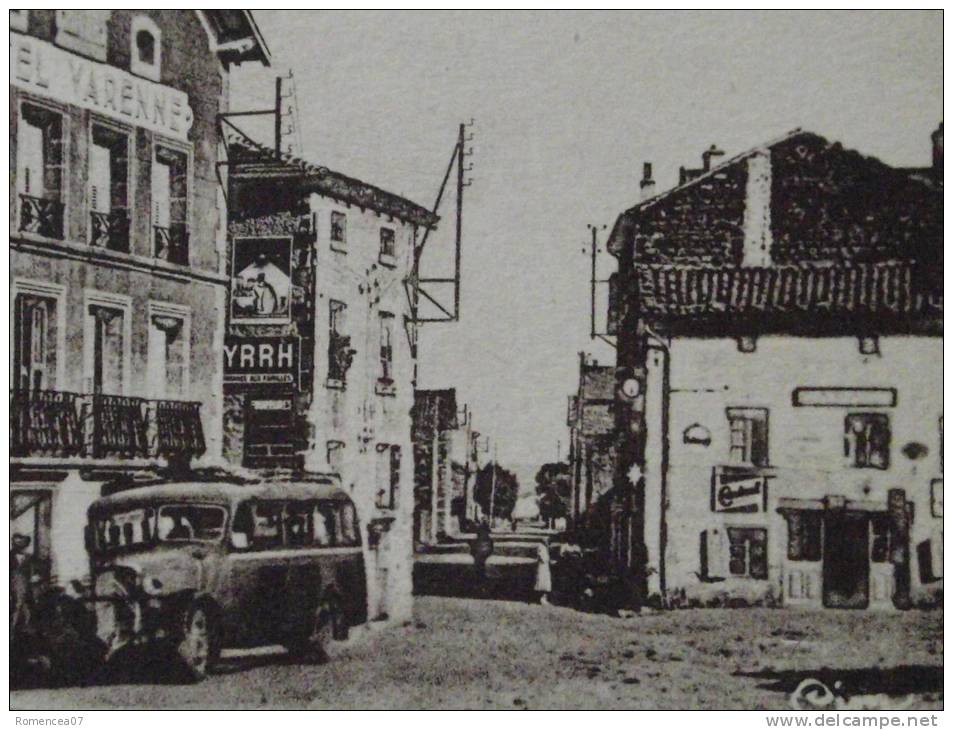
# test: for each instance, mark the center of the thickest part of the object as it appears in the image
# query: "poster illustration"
(261, 281)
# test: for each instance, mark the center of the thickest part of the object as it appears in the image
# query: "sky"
(566, 107)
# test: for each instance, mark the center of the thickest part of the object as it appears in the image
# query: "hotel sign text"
(42, 68)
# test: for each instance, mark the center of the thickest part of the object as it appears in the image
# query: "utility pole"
(592, 294)
(559, 450)
(278, 118)
(493, 482)
(434, 474)
(461, 141)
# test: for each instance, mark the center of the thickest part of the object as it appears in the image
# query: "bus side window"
(325, 534)
(261, 521)
(298, 530)
(349, 533)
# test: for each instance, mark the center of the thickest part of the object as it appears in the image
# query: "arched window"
(146, 51)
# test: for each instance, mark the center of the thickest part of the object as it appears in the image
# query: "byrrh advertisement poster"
(261, 281)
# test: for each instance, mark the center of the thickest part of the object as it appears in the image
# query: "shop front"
(846, 553)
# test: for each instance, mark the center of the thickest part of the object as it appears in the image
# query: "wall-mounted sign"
(251, 361)
(43, 69)
(839, 397)
(738, 489)
(261, 280)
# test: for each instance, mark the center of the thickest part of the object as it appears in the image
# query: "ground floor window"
(747, 552)
(804, 534)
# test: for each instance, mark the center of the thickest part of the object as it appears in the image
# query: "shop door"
(269, 429)
(846, 561)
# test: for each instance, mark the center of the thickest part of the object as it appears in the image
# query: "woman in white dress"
(544, 579)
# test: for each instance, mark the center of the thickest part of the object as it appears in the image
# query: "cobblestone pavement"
(467, 653)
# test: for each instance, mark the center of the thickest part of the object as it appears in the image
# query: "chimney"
(712, 151)
(647, 185)
(937, 138)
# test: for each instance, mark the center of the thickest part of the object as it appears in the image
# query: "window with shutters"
(867, 440)
(146, 52)
(748, 436)
(40, 170)
(35, 323)
(109, 188)
(83, 31)
(170, 209)
(748, 552)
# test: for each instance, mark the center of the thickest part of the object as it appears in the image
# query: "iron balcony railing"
(178, 428)
(172, 243)
(61, 424)
(110, 230)
(41, 216)
(45, 422)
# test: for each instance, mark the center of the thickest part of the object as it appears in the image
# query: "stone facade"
(117, 253)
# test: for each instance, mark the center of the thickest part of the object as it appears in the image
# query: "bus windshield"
(172, 523)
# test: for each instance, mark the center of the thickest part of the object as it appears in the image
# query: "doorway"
(846, 573)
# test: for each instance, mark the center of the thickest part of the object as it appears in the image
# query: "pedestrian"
(481, 549)
(544, 578)
(21, 588)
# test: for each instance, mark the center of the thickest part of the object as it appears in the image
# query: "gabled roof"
(622, 229)
(251, 158)
(852, 241)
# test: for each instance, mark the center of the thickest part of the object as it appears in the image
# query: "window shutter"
(99, 178)
(936, 555)
(714, 554)
(53, 162)
(175, 361)
(119, 173)
(178, 189)
(30, 159)
(161, 176)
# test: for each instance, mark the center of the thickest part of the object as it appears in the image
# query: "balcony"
(41, 216)
(172, 243)
(109, 230)
(57, 424)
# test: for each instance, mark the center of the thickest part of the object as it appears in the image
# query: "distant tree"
(504, 492)
(554, 487)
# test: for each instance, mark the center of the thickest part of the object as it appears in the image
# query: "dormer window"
(146, 51)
